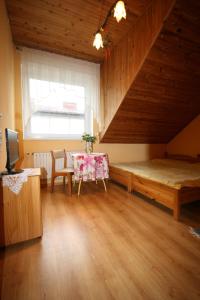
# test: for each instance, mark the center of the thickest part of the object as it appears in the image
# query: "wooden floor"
(111, 245)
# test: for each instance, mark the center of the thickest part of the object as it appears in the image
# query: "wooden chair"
(65, 172)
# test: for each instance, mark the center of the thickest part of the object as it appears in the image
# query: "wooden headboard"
(187, 158)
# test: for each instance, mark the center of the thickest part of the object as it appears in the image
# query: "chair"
(65, 172)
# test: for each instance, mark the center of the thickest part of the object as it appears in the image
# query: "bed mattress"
(174, 173)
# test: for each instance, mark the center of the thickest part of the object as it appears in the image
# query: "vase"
(88, 147)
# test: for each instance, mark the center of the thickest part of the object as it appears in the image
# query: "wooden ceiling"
(165, 96)
(67, 26)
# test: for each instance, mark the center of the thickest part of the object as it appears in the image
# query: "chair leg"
(104, 185)
(52, 184)
(64, 181)
(69, 182)
(79, 187)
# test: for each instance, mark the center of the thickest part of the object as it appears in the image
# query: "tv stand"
(21, 214)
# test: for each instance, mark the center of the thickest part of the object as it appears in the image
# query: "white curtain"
(49, 67)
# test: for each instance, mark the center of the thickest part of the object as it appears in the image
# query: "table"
(90, 167)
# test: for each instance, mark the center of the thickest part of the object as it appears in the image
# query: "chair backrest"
(57, 154)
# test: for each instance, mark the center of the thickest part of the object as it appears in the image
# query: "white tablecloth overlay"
(15, 182)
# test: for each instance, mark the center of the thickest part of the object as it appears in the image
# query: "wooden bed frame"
(164, 194)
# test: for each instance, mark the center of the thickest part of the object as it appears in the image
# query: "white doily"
(15, 182)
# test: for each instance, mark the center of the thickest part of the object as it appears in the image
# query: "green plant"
(88, 138)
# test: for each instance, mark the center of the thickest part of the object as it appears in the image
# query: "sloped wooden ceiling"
(146, 98)
(165, 96)
(67, 26)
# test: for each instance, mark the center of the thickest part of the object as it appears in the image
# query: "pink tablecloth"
(90, 166)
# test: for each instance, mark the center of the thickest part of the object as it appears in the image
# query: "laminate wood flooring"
(101, 246)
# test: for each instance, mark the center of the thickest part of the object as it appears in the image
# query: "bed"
(172, 181)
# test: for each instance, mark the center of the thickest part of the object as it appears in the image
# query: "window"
(58, 97)
(58, 110)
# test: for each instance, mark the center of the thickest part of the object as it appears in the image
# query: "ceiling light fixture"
(98, 41)
(119, 11)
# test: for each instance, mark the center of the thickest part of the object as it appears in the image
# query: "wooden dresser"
(21, 215)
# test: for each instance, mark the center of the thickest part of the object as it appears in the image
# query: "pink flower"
(88, 161)
(99, 159)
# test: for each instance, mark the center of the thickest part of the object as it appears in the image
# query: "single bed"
(172, 181)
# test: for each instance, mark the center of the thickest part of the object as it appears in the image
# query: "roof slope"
(165, 96)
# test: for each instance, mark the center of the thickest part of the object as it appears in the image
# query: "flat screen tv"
(12, 149)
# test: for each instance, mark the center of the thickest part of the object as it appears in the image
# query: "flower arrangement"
(90, 140)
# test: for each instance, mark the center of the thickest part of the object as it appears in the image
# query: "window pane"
(39, 125)
(56, 97)
(57, 125)
(77, 126)
(58, 108)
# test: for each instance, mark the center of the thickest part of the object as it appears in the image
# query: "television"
(12, 150)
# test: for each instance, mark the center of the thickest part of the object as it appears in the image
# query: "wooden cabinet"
(21, 215)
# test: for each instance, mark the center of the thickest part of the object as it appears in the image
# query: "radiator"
(43, 160)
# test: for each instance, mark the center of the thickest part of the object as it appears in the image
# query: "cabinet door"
(22, 212)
